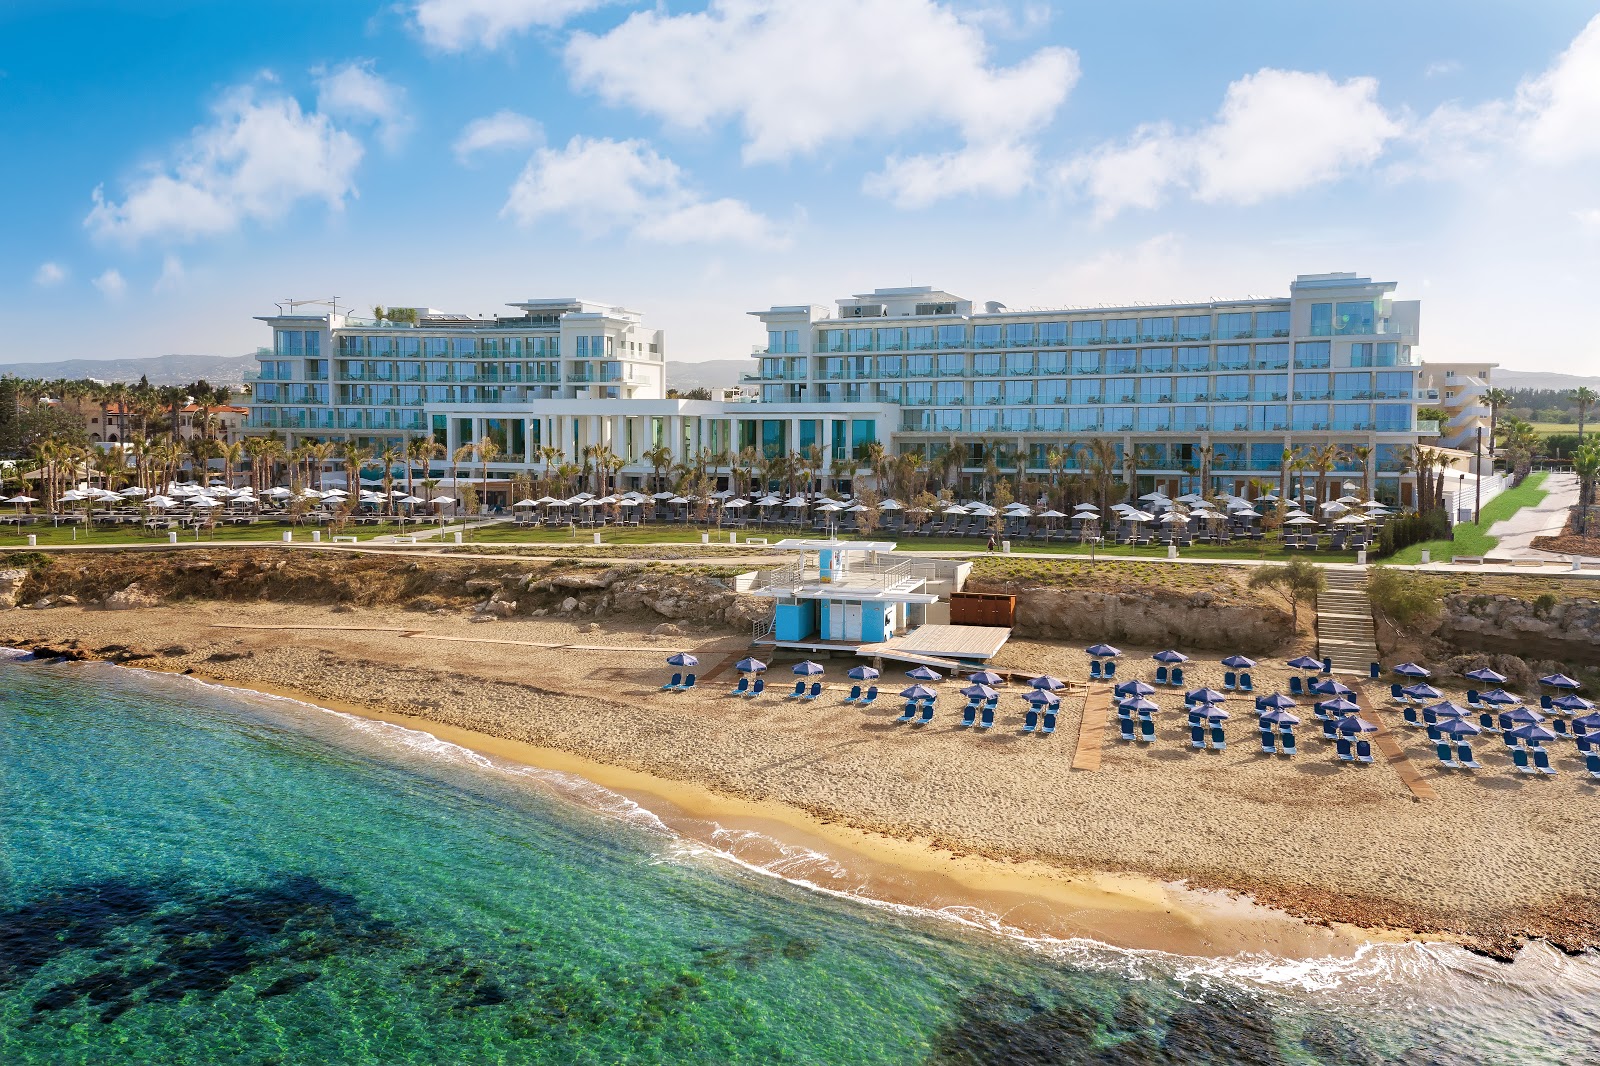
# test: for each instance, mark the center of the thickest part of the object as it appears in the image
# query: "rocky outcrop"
(1148, 617)
(1567, 630)
(11, 582)
(131, 598)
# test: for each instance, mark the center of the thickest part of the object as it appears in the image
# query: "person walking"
(991, 541)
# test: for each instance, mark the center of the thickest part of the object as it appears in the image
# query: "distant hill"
(711, 374)
(1538, 379)
(160, 369)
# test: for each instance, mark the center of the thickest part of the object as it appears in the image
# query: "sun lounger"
(870, 697)
(1328, 732)
(741, 688)
(677, 679)
(1591, 762)
(1559, 727)
(1094, 670)
(799, 690)
(1219, 739)
(1049, 721)
(1327, 666)
(1472, 698)
(1197, 736)
(1446, 759)
(1269, 741)
(1544, 702)
(1342, 746)
(1296, 688)
(1464, 752)
(1125, 724)
(1519, 756)
(1147, 730)
(908, 712)
(1541, 762)
(1161, 675)
(688, 683)
(1429, 717)
(1111, 669)
(855, 694)
(1363, 751)
(1246, 684)
(1397, 694)
(1486, 723)
(1373, 670)
(986, 715)
(1230, 680)
(969, 713)
(1410, 714)
(816, 690)
(927, 713)
(1177, 676)
(1286, 738)
(1030, 721)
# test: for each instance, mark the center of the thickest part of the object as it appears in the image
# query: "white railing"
(762, 628)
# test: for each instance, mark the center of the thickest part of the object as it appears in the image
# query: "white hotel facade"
(918, 369)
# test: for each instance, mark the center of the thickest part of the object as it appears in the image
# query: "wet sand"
(938, 816)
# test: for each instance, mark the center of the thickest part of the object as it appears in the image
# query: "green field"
(12, 537)
(1471, 538)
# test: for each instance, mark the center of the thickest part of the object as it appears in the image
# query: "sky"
(175, 167)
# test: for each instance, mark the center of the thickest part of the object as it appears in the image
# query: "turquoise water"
(193, 875)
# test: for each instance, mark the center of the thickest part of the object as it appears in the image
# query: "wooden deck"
(949, 642)
(1092, 728)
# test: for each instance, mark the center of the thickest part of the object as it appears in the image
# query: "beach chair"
(677, 679)
(1286, 739)
(1464, 752)
(1049, 721)
(1328, 732)
(1429, 717)
(855, 694)
(1111, 669)
(816, 690)
(1327, 666)
(1374, 670)
(927, 713)
(1558, 726)
(1219, 739)
(1519, 756)
(986, 715)
(1342, 746)
(1472, 698)
(1125, 723)
(1197, 736)
(1177, 677)
(741, 688)
(1486, 723)
(1505, 724)
(1230, 680)
(757, 689)
(1269, 741)
(870, 697)
(1410, 714)
(1363, 751)
(1544, 702)
(1094, 670)
(1161, 675)
(1147, 730)
(1445, 758)
(799, 690)
(1246, 684)
(1591, 763)
(1433, 732)
(908, 712)
(1296, 687)
(1585, 741)
(969, 713)
(1398, 695)
(1541, 761)
(1030, 721)
(688, 683)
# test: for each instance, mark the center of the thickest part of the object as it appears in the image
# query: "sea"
(192, 874)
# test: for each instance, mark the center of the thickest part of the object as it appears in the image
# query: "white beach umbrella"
(662, 496)
(1348, 499)
(831, 506)
(134, 490)
(890, 505)
(1052, 513)
(410, 499)
(1303, 520)
(629, 503)
(1173, 518)
(442, 500)
(1189, 497)
(1086, 507)
(1353, 519)
(982, 510)
(1155, 497)
(956, 508)
(678, 499)
(526, 503)
(735, 504)
(161, 501)
(1334, 507)
(1138, 516)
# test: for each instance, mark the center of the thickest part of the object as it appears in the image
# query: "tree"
(1496, 399)
(659, 458)
(488, 451)
(1586, 464)
(1362, 453)
(1521, 440)
(1298, 581)
(1583, 398)
(390, 458)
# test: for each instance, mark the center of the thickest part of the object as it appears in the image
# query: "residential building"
(1461, 388)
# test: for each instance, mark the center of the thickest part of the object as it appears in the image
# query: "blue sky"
(176, 167)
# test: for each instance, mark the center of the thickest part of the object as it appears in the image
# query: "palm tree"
(488, 451)
(1496, 399)
(390, 458)
(1584, 398)
(659, 458)
(1362, 453)
(231, 455)
(1586, 464)
(1323, 460)
(356, 456)
(420, 450)
(1206, 452)
(1100, 459)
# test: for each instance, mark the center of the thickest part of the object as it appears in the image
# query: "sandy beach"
(937, 814)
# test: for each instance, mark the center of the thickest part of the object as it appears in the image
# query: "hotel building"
(918, 369)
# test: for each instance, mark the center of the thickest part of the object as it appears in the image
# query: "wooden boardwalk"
(1092, 729)
(1388, 743)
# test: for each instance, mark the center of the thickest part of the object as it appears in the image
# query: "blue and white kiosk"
(841, 595)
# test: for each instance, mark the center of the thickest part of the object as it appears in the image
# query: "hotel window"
(1272, 386)
(1155, 360)
(832, 367)
(1190, 419)
(986, 364)
(919, 393)
(952, 336)
(1121, 361)
(1155, 390)
(1193, 360)
(919, 366)
(1086, 362)
(1050, 421)
(1310, 416)
(1361, 355)
(1121, 390)
(1193, 390)
(1055, 390)
(1118, 420)
(1311, 386)
(1230, 418)
(1234, 324)
(950, 394)
(1269, 417)
(1015, 420)
(1393, 386)
(1155, 419)
(1352, 386)
(985, 392)
(1352, 416)
(1019, 335)
(1272, 357)
(859, 340)
(984, 421)
(1312, 355)
(890, 366)
(1322, 320)
(774, 340)
(1272, 323)
(1052, 362)
(1233, 387)
(1233, 357)
(1085, 391)
(920, 338)
(947, 421)
(375, 346)
(1053, 334)
(1393, 417)
(1122, 330)
(1019, 392)
(831, 340)
(1194, 327)
(1084, 332)
(1019, 362)
(1388, 354)
(1156, 329)
(891, 340)
(1083, 419)
(1358, 318)
(291, 342)
(791, 340)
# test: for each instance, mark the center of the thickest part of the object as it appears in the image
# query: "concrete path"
(1544, 519)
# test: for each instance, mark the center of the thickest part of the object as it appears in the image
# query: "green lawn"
(1472, 538)
(12, 537)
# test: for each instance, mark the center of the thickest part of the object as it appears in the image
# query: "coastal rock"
(11, 587)
(483, 618)
(172, 651)
(229, 656)
(583, 580)
(569, 605)
(482, 584)
(67, 600)
(666, 629)
(1154, 617)
(500, 608)
(41, 604)
(592, 627)
(743, 611)
(131, 598)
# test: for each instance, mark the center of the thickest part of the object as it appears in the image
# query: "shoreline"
(1302, 860)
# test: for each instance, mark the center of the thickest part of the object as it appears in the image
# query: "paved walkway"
(1391, 748)
(1544, 519)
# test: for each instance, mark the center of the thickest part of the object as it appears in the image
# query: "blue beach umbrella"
(919, 692)
(1134, 688)
(1572, 703)
(1279, 717)
(1523, 714)
(986, 677)
(683, 658)
(1352, 724)
(1339, 705)
(862, 673)
(749, 666)
(1458, 727)
(1422, 692)
(1449, 710)
(1139, 706)
(1590, 722)
(922, 673)
(1533, 733)
(1276, 702)
(1210, 713)
(808, 668)
(1170, 656)
(1486, 675)
(1203, 695)
(1039, 697)
(982, 692)
(1500, 696)
(1046, 682)
(1559, 681)
(1306, 662)
(1102, 651)
(1329, 687)
(1412, 670)
(1239, 662)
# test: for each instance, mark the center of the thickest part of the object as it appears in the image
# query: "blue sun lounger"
(927, 713)
(677, 679)
(1286, 738)
(855, 694)
(757, 689)
(1161, 675)
(1269, 740)
(1328, 731)
(1363, 751)
(1125, 724)
(1049, 721)
(688, 683)
(1246, 684)
(986, 715)
(1592, 763)
(1342, 745)
(1519, 756)
(1147, 730)
(1197, 736)
(870, 697)
(1111, 669)
(1230, 680)
(1177, 677)
(1446, 759)
(1219, 739)
(1541, 762)
(1094, 670)
(1409, 712)
(816, 690)
(1398, 695)
(969, 713)
(908, 712)
(799, 690)
(1030, 721)
(1558, 726)
(1296, 687)
(1464, 753)
(741, 688)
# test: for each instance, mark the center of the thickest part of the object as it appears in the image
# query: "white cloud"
(111, 284)
(603, 185)
(801, 75)
(1277, 132)
(49, 274)
(456, 25)
(172, 274)
(1561, 106)
(501, 130)
(257, 158)
(356, 91)
(1440, 68)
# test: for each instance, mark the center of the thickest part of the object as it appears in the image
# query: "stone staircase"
(1344, 620)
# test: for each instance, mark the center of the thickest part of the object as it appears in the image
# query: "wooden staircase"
(1344, 620)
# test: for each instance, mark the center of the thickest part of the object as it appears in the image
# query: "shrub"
(1544, 604)
(1298, 581)
(1415, 528)
(1405, 599)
